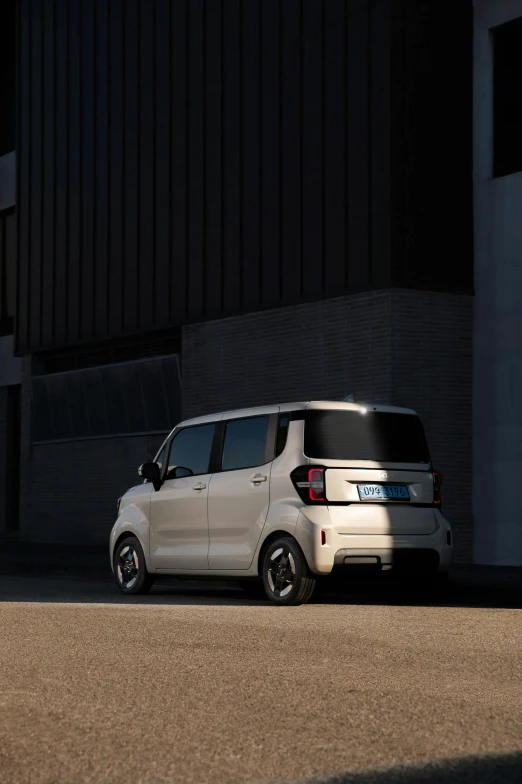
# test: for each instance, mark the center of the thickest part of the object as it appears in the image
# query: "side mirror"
(179, 471)
(150, 472)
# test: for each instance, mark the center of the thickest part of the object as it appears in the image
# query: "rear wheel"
(286, 576)
(130, 569)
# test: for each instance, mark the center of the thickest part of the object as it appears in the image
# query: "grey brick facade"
(3, 458)
(399, 347)
(69, 490)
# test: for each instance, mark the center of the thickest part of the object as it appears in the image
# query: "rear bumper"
(434, 549)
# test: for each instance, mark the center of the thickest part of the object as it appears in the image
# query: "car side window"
(282, 433)
(191, 448)
(245, 443)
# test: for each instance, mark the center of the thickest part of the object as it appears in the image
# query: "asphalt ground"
(198, 684)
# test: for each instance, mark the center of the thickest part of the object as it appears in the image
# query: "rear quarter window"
(375, 435)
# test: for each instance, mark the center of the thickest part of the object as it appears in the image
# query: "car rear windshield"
(375, 435)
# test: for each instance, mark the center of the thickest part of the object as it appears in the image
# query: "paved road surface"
(190, 685)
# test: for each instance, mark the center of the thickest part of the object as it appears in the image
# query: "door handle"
(199, 486)
(258, 478)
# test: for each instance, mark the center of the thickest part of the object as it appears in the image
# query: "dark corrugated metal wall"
(186, 159)
(8, 76)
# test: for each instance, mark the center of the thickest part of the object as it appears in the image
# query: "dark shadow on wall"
(497, 769)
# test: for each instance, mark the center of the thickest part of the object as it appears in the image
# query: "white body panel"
(313, 520)
(386, 520)
(179, 524)
(134, 518)
(237, 509)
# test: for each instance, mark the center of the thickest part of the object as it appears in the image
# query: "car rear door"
(239, 494)
(407, 510)
(378, 475)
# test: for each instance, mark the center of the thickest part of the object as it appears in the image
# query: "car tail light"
(437, 481)
(310, 484)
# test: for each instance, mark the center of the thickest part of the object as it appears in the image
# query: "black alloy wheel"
(130, 569)
(287, 579)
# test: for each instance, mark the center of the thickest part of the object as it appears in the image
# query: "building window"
(123, 350)
(7, 271)
(130, 398)
(507, 98)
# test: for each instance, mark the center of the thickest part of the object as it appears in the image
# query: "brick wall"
(9, 472)
(304, 352)
(432, 373)
(399, 347)
(3, 457)
(69, 490)
(72, 487)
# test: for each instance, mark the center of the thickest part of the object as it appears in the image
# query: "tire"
(254, 589)
(130, 570)
(286, 577)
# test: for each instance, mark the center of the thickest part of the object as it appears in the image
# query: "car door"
(239, 494)
(178, 510)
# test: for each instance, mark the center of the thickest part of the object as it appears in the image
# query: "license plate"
(384, 492)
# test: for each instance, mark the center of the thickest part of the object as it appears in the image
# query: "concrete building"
(497, 340)
(229, 203)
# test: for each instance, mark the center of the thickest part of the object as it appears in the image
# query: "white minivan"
(284, 494)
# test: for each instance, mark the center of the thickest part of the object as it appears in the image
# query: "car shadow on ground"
(494, 769)
(68, 590)
(388, 592)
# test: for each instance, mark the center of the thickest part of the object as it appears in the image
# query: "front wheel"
(286, 577)
(130, 568)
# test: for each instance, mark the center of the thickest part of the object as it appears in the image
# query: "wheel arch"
(124, 535)
(273, 536)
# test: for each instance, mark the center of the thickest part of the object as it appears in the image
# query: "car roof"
(322, 405)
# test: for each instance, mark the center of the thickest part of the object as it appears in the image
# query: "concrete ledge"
(40, 558)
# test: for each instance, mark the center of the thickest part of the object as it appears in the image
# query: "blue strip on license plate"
(384, 492)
